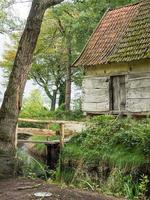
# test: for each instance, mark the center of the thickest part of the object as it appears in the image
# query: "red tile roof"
(119, 33)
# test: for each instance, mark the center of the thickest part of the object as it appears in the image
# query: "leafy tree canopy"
(8, 22)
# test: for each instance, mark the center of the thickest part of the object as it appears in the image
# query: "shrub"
(33, 107)
(29, 166)
(118, 149)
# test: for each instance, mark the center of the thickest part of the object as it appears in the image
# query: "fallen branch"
(29, 187)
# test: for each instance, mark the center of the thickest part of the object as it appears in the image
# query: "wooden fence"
(42, 132)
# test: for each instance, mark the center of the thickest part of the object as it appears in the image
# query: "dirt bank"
(9, 190)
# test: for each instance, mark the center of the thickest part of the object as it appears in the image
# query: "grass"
(122, 157)
(113, 152)
(29, 166)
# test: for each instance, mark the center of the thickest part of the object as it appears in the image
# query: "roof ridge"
(128, 5)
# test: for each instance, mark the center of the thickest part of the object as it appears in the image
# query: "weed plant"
(115, 155)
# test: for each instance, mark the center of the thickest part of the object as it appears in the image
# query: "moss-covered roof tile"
(123, 35)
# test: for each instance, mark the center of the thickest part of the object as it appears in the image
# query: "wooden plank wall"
(95, 94)
(138, 92)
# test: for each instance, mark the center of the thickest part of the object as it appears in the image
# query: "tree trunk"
(13, 96)
(51, 97)
(53, 103)
(61, 94)
(68, 78)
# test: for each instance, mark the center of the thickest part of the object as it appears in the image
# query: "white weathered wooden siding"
(138, 92)
(95, 94)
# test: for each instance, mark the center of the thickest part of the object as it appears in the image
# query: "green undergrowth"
(59, 114)
(34, 108)
(42, 113)
(62, 114)
(41, 148)
(111, 154)
(29, 166)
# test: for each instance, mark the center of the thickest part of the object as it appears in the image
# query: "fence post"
(62, 135)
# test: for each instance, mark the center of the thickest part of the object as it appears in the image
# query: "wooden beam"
(39, 142)
(43, 142)
(48, 121)
(39, 121)
(36, 131)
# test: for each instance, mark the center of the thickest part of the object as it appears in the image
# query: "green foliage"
(62, 114)
(119, 141)
(143, 187)
(73, 153)
(121, 185)
(7, 23)
(33, 106)
(29, 166)
(114, 150)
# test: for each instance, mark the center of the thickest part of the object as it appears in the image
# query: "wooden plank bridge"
(65, 129)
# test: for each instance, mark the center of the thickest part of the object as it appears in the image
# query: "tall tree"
(49, 75)
(68, 42)
(66, 17)
(48, 69)
(13, 96)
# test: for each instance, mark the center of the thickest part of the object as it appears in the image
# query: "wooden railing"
(66, 129)
(42, 132)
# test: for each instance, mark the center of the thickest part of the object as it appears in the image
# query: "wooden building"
(116, 60)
